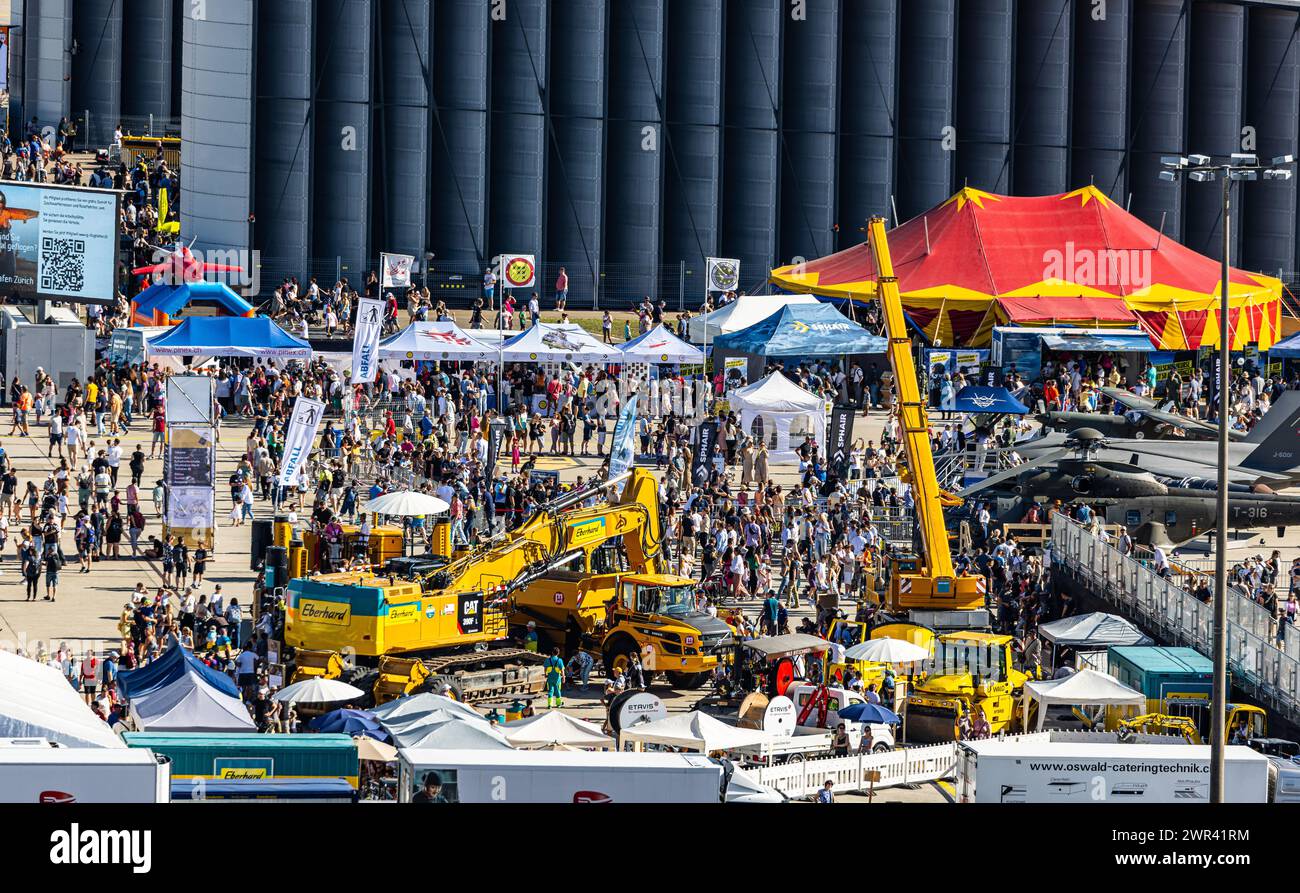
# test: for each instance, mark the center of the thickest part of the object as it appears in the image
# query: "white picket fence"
(909, 765)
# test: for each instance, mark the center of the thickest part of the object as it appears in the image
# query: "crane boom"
(929, 582)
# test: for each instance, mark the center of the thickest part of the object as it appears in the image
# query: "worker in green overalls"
(554, 679)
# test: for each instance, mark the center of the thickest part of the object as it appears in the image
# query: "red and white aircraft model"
(182, 266)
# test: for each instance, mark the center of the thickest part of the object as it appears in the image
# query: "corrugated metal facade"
(627, 139)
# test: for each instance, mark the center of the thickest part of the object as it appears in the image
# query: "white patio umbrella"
(406, 503)
(887, 651)
(376, 751)
(318, 691)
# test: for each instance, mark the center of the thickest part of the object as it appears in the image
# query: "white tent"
(37, 702)
(424, 702)
(740, 314)
(435, 341)
(781, 403)
(660, 346)
(547, 343)
(692, 731)
(555, 729)
(413, 728)
(453, 735)
(190, 704)
(1086, 687)
(1092, 632)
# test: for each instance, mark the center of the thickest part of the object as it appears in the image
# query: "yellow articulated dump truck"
(584, 571)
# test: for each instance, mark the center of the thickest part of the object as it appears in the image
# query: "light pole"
(1203, 169)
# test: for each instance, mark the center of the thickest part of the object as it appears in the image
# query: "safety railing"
(909, 765)
(1258, 666)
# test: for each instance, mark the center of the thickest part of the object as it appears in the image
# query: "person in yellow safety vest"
(554, 679)
(530, 637)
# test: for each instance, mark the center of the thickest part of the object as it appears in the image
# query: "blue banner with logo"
(622, 452)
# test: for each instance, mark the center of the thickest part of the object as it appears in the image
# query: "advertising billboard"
(57, 243)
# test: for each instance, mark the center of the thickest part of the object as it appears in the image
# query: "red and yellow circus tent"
(1078, 259)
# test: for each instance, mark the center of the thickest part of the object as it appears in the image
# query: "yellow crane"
(927, 581)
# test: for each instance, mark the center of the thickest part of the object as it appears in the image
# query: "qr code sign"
(63, 265)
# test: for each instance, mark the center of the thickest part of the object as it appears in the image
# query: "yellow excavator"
(586, 573)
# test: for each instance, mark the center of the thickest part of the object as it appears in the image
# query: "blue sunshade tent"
(231, 336)
(983, 398)
(802, 330)
(172, 664)
(1287, 349)
(869, 713)
(350, 722)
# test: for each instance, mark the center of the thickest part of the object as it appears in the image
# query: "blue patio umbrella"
(350, 722)
(870, 713)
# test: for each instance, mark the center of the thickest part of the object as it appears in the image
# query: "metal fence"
(615, 287)
(1269, 673)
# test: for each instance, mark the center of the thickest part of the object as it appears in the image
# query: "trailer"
(539, 776)
(999, 771)
(62, 346)
(201, 757)
(34, 774)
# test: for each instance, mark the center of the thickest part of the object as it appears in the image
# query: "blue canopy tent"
(802, 330)
(350, 722)
(169, 300)
(171, 665)
(1099, 342)
(1286, 349)
(229, 336)
(982, 398)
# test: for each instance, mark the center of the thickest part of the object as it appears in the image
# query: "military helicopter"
(1158, 509)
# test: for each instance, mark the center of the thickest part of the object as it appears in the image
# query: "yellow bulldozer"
(586, 576)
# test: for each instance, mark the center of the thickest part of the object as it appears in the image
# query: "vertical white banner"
(365, 344)
(300, 438)
(395, 270)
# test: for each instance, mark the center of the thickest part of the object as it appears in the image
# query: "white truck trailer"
(996, 771)
(63, 347)
(44, 774)
(544, 776)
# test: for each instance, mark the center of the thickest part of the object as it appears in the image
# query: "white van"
(882, 736)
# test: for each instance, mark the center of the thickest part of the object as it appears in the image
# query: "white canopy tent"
(190, 704)
(453, 735)
(784, 408)
(556, 730)
(1085, 688)
(436, 341)
(659, 346)
(422, 703)
(549, 343)
(740, 314)
(692, 731)
(37, 702)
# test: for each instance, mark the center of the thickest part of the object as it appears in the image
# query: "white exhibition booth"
(782, 411)
(1086, 688)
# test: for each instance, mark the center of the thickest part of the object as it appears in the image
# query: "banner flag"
(706, 443)
(300, 439)
(365, 343)
(395, 270)
(841, 439)
(622, 452)
(723, 273)
(520, 271)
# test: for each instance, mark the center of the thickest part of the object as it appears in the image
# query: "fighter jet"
(1157, 508)
(1144, 419)
(1269, 454)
